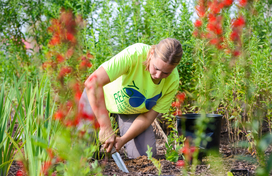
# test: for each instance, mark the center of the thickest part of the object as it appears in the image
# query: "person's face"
(159, 69)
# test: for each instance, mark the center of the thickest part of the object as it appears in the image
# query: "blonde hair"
(169, 50)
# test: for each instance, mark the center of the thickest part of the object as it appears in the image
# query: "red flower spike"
(198, 23)
(69, 52)
(214, 41)
(234, 36)
(45, 167)
(236, 53)
(178, 112)
(195, 33)
(193, 149)
(227, 2)
(243, 3)
(69, 105)
(181, 97)
(59, 115)
(60, 58)
(54, 41)
(200, 10)
(89, 55)
(239, 22)
(70, 37)
(78, 95)
(50, 153)
(180, 163)
(69, 123)
(212, 18)
(20, 164)
(19, 173)
(64, 71)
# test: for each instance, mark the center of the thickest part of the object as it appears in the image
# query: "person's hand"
(107, 137)
(119, 143)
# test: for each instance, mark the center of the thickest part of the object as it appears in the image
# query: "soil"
(143, 166)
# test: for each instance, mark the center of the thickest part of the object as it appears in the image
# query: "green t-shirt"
(131, 90)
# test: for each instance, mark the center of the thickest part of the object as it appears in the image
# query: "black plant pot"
(186, 127)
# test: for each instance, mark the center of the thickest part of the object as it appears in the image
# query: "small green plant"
(156, 162)
(175, 143)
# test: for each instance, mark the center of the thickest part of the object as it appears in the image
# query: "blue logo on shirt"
(136, 98)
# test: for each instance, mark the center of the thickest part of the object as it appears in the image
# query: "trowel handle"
(113, 150)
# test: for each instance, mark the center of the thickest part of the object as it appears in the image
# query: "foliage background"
(240, 89)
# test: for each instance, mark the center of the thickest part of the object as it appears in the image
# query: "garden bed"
(143, 166)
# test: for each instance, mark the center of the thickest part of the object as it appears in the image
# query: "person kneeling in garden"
(135, 85)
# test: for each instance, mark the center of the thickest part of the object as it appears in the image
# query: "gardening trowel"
(118, 160)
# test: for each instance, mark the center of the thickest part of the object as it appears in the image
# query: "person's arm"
(139, 125)
(94, 89)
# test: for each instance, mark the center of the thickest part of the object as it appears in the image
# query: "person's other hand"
(107, 137)
(119, 143)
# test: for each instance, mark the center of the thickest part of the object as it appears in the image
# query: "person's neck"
(156, 81)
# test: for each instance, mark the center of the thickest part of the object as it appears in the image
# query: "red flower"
(236, 53)
(234, 36)
(214, 41)
(176, 104)
(64, 71)
(200, 10)
(177, 112)
(70, 37)
(69, 105)
(195, 33)
(227, 2)
(243, 3)
(239, 22)
(198, 23)
(45, 167)
(70, 52)
(55, 40)
(85, 64)
(60, 58)
(180, 163)
(89, 55)
(19, 173)
(212, 18)
(59, 115)
(193, 149)
(78, 95)
(86, 116)
(181, 97)
(50, 153)
(69, 123)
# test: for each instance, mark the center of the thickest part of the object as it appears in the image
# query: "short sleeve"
(123, 61)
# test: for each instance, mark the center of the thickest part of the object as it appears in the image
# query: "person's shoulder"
(174, 76)
(140, 47)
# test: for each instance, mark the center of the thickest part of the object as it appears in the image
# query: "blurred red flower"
(45, 167)
(70, 37)
(19, 173)
(64, 71)
(60, 58)
(200, 10)
(243, 3)
(180, 163)
(227, 2)
(59, 115)
(234, 36)
(239, 22)
(236, 53)
(198, 23)
(181, 96)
